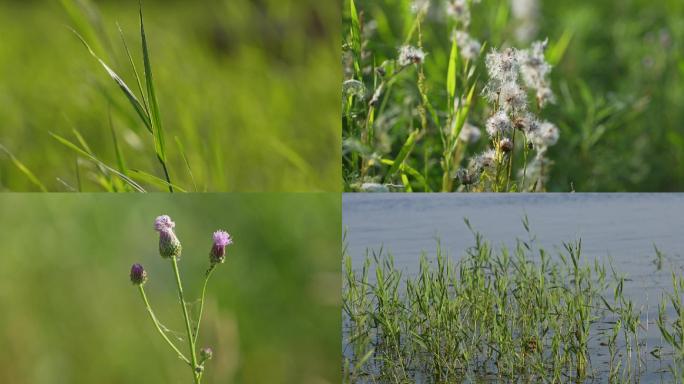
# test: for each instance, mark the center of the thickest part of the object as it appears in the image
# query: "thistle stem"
(204, 289)
(156, 324)
(191, 341)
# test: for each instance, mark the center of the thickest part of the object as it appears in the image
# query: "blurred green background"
(236, 80)
(619, 84)
(71, 315)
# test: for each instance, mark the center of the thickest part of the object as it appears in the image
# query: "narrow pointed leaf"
(124, 88)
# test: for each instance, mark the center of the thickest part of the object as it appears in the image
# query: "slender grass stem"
(191, 340)
(166, 174)
(156, 324)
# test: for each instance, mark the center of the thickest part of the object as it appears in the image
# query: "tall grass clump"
(386, 98)
(509, 314)
(672, 330)
(170, 248)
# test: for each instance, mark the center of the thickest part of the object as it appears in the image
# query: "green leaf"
(451, 72)
(556, 53)
(403, 154)
(23, 169)
(181, 148)
(157, 129)
(151, 179)
(355, 27)
(80, 151)
(119, 156)
(124, 88)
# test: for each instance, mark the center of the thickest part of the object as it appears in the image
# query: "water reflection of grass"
(511, 314)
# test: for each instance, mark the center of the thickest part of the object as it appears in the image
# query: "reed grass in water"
(516, 314)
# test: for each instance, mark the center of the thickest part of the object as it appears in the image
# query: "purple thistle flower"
(163, 222)
(138, 274)
(169, 245)
(218, 249)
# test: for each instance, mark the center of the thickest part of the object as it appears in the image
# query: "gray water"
(620, 227)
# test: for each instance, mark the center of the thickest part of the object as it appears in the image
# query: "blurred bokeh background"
(71, 315)
(236, 82)
(618, 77)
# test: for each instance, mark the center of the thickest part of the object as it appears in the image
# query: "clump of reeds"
(170, 248)
(516, 314)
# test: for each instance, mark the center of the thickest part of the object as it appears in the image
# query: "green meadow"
(70, 313)
(234, 82)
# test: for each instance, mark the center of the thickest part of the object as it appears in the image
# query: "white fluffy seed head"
(546, 135)
(410, 55)
(459, 11)
(498, 124)
(535, 71)
(469, 134)
(468, 47)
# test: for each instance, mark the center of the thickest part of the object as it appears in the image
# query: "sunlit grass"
(231, 96)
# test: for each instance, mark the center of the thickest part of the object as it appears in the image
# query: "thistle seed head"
(498, 124)
(469, 48)
(410, 55)
(469, 134)
(505, 145)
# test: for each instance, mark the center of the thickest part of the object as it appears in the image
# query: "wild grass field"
(70, 313)
(233, 81)
(513, 95)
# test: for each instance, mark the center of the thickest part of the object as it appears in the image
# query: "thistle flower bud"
(206, 354)
(218, 250)
(138, 274)
(169, 245)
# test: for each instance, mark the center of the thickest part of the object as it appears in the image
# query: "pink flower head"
(163, 223)
(218, 249)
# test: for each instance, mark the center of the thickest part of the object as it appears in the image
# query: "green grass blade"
(121, 163)
(135, 70)
(77, 11)
(405, 150)
(151, 179)
(355, 27)
(181, 148)
(557, 51)
(157, 129)
(23, 169)
(80, 151)
(451, 72)
(124, 88)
